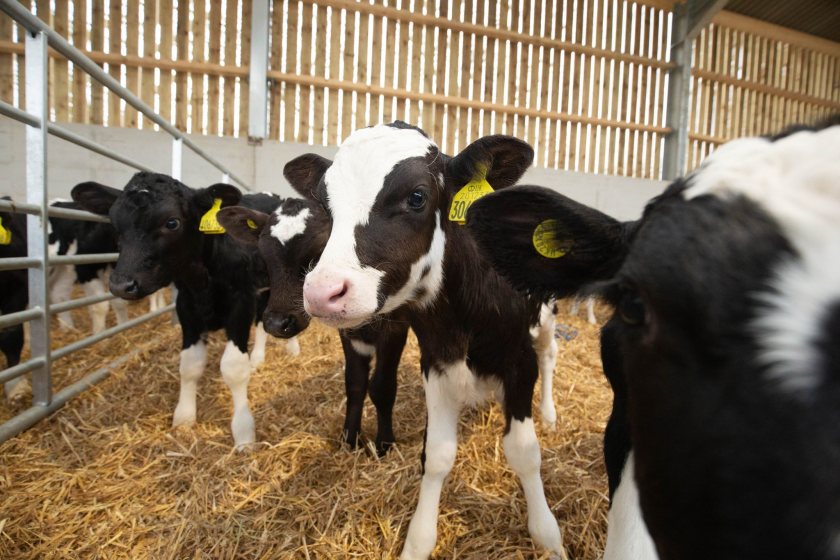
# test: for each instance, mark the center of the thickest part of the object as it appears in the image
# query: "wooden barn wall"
(583, 81)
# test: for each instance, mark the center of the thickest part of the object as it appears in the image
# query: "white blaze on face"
(287, 226)
(353, 182)
(796, 180)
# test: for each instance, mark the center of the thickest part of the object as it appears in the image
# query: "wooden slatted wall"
(751, 78)
(583, 81)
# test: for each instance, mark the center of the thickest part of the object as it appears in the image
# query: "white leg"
(441, 446)
(590, 310)
(193, 360)
(157, 300)
(293, 346)
(120, 307)
(573, 310)
(523, 453)
(627, 534)
(17, 390)
(545, 346)
(258, 353)
(62, 279)
(236, 371)
(98, 311)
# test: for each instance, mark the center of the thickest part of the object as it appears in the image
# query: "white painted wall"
(261, 166)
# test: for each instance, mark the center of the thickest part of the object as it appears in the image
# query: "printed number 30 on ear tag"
(209, 223)
(5, 234)
(546, 242)
(465, 197)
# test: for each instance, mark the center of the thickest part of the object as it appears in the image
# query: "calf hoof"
(549, 420)
(546, 534)
(18, 393)
(382, 447)
(246, 447)
(293, 347)
(257, 359)
(352, 440)
(183, 418)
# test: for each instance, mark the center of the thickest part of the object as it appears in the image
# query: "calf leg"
(293, 346)
(11, 344)
(443, 409)
(258, 353)
(545, 346)
(523, 454)
(383, 386)
(590, 310)
(98, 311)
(357, 355)
(236, 371)
(61, 286)
(193, 361)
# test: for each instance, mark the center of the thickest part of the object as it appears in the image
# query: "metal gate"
(40, 37)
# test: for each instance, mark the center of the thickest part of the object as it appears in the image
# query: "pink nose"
(323, 300)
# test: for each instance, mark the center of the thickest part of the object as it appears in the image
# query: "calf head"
(157, 222)
(727, 317)
(290, 241)
(388, 193)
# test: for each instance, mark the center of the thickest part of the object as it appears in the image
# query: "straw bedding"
(106, 477)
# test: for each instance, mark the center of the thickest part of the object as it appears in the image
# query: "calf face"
(388, 193)
(289, 240)
(157, 222)
(724, 337)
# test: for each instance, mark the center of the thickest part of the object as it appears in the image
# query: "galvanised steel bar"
(13, 319)
(29, 21)
(52, 211)
(24, 367)
(24, 117)
(36, 193)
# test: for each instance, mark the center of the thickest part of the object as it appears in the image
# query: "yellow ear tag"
(468, 194)
(209, 224)
(5, 234)
(546, 242)
(251, 223)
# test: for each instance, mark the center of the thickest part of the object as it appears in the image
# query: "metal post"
(36, 193)
(177, 158)
(258, 78)
(225, 178)
(679, 91)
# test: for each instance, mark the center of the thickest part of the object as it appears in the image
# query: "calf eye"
(632, 309)
(173, 224)
(417, 200)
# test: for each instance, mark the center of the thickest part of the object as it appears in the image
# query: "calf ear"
(502, 159)
(243, 224)
(94, 197)
(546, 243)
(305, 172)
(228, 194)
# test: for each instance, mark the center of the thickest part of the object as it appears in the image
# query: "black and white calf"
(291, 240)
(392, 247)
(76, 237)
(722, 351)
(14, 296)
(157, 221)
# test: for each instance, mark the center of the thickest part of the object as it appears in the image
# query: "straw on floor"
(107, 477)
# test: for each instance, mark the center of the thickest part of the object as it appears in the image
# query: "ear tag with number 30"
(469, 193)
(209, 224)
(5, 234)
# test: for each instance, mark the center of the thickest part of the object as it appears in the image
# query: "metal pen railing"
(39, 38)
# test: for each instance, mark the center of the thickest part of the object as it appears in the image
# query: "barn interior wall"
(260, 165)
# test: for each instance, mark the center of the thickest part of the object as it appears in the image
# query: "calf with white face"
(290, 241)
(158, 223)
(390, 194)
(722, 351)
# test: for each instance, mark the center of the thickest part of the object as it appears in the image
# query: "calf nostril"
(287, 323)
(131, 287)
(340, 294)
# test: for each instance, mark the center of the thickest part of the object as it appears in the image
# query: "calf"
(77, 237)
(722, 351)
(392, 197)
(157, 220)
(290, 240)
(14, 295)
